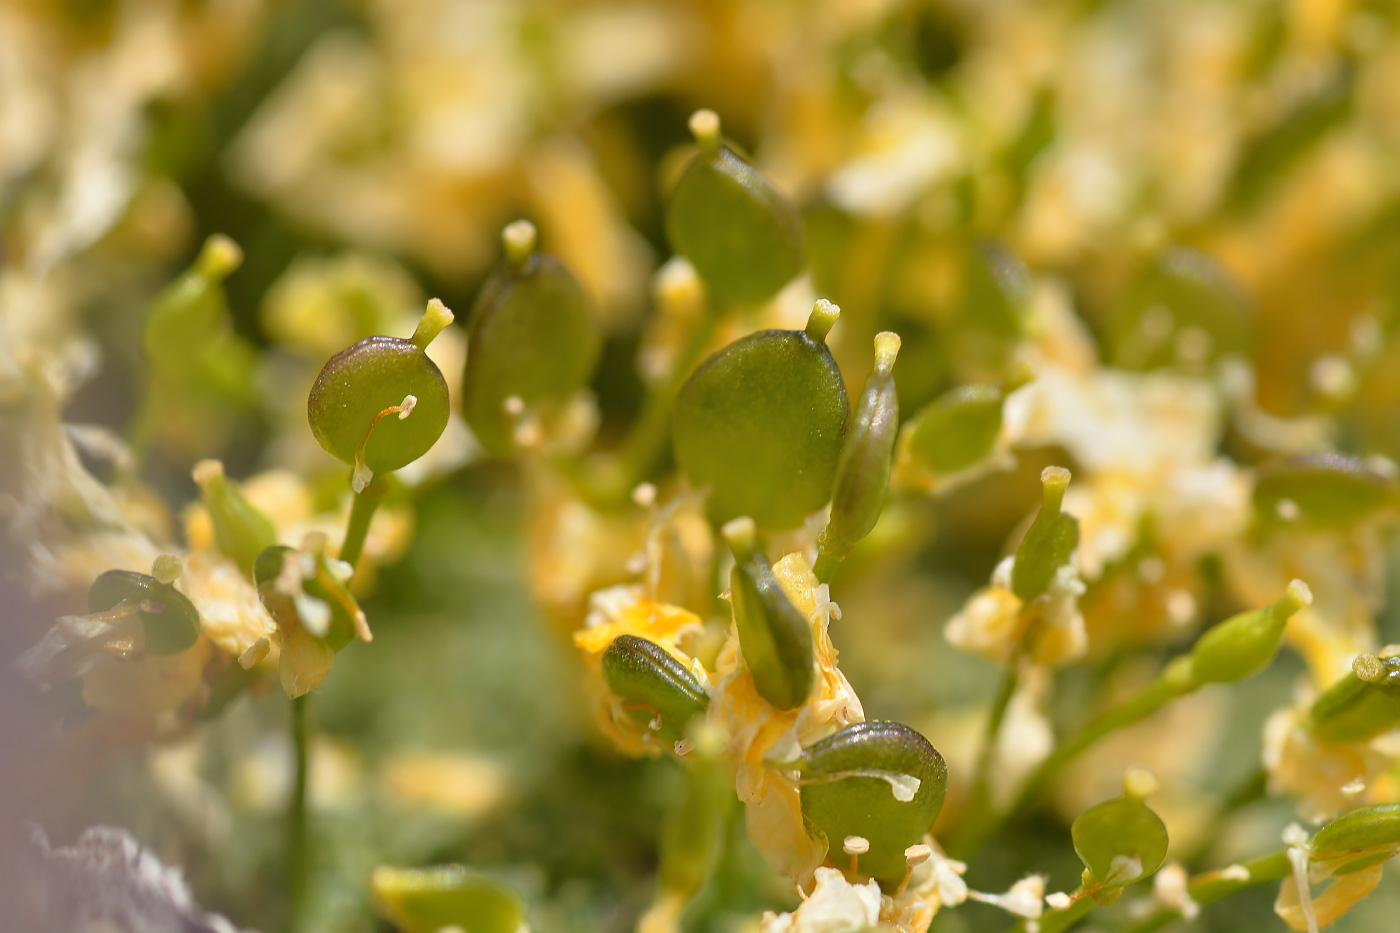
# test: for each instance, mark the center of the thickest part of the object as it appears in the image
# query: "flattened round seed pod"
(531, 336)
(956, 430)
(742, 234)
(1324, 490)
(365, 379)
(761, 424)
(1121, 841)
(852, 783)
(1183, 308)
(170, 620)
(643, 673)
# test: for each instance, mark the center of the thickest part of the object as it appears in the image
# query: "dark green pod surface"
(742, 234)
(761, 424)
(957, 429)
(774, 635)
(170, 620)
(532, 336)
(363, 380)
(1121, 827)
(643, 673)
(1329, 490)
(863, 469)
(1181, 292)
(844, 794)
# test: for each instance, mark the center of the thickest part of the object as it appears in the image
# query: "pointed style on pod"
(241, 530)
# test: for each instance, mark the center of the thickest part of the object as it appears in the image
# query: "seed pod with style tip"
(1050, 541)
(645, 675)
(1323, 490)
(381, 403)
(169, 619)
(1120, 841)
(761, 422)
(1361, 705)
(742, 234)
(1359, 839)
(1244, 644)
(531, 337)
(881, 781)
(955, 431)
(774, 635)
(427, 900)
(863, 469)
(241, 531)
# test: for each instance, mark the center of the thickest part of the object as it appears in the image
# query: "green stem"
(975, 831)
(361, 512)
(1212, 886)
(298, 848)
(826, 565)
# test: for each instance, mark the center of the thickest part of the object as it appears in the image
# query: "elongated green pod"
(863, 469)
(1244, 644)
(1323, 491)
(1361, 705)
(1352, 837)
(1120, 841)
(170, 621)
(532, 340)
(774, 635)
(761, 423)
(646, 676)
(1049, 542)
(241, 530)
(427, 900)
(881, 781)
(741, 233)
(191, 315)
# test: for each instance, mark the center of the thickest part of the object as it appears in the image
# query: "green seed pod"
(761, 422)
(1361, 705)
(774, 635)
(1244, 644)
(1120, 841)
(742, 234)
(863, 469)
(692, 836)
(426, 900)
(362, 387)
(955, 431)
(191, 315)
(1323, 491)
(1050, 541)
(170, 620)
(532, 338)
(241, 531)
(990, 311)
(644, 674)
(1184, 308)
(855, 782)
(1358, 831)
(341, 619)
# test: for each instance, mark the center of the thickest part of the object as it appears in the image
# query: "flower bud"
(169, 620)
(1120, 841)
(427, 900)
(532, 338)
(955, 431)
(881, 781)
(1244, 644)
(1361, 705)
(760, 423)
(381, 403)
(774, 635)
(863, 469)
(1323, 491)
(742, 234)
(1351, 840)
(241, 531)
(661, 694)
(1049, 542)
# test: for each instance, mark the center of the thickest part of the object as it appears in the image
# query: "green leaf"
(532, 337)
(170, 620)
(741, 233)
(643, 673)
(774, 635)
(424, 900)
(855, 783)
(761, 423)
